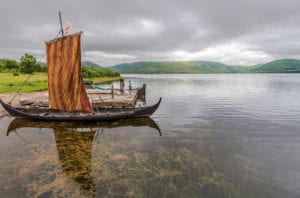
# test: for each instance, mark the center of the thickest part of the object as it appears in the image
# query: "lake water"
(222, 135)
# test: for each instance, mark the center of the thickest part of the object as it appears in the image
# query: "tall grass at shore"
(11, 84)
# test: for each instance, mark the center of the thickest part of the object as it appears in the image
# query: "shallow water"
(223, 135)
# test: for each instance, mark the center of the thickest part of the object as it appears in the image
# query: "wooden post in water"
(112, 92)
(122, 86)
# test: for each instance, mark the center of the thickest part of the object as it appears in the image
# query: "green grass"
(10, 83)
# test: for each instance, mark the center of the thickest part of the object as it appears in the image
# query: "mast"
(61, 26)
(65, 83)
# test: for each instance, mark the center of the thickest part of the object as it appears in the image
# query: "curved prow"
(148, 111)
(3, 104)
(8, 108)
(159, 100)
(154, 107)
(158, 103)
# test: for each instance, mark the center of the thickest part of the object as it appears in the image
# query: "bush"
(29, 65)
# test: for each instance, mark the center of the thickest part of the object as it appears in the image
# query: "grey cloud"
(152, 30)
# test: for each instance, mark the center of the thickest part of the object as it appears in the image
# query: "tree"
(11, 65)
(2, 64)
(29, 65)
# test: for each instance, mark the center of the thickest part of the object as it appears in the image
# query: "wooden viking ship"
(68, 100)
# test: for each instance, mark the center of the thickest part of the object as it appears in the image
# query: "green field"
(10, 83)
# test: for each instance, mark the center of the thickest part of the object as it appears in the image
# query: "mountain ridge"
(198, 67)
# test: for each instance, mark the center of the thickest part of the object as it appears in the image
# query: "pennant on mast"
(68, 26)
(65, 84)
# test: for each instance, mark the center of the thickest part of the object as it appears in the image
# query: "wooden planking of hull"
(99, 114)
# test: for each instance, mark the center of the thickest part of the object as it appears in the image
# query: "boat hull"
(99, 114)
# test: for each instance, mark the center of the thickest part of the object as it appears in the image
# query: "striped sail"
(65, 84)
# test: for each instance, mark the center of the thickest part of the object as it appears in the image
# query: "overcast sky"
(239, 32)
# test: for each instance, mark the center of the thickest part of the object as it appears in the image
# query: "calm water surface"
(224, 135)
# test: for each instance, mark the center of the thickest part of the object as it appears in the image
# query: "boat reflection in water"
(135, 122)
(74, 142)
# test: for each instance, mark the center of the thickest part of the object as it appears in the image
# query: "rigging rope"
(30, 74)
(19, 89)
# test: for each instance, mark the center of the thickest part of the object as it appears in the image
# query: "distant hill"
(198, 67)
(89, 63)
(279, 66)
(176, 67)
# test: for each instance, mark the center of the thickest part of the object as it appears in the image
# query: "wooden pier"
(112, 98)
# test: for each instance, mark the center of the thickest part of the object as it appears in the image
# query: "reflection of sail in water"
(75, 153)
(74, 143)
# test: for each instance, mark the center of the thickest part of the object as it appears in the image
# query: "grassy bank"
(10, 83)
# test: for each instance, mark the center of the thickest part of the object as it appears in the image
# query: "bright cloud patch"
(107, 59)
(230, 53)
